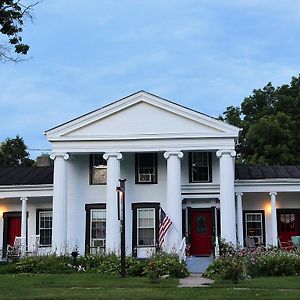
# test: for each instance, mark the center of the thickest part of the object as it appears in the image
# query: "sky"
(203, 54)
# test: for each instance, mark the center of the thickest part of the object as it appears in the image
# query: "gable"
(142, 119)
(141, 115)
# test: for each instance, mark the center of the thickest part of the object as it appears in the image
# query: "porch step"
(198, 264)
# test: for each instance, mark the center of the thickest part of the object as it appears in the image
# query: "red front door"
(288, 225)
(201, 231)
(14, 229)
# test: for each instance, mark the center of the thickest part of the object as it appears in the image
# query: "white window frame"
(259, 240)
(45, 228)
(92, 240)
(138, 227)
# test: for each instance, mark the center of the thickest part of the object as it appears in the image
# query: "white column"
(274, 218)
(227, 199)
(59, 224)
(239, 218)
(174, 201)
(23, 224)
(112, 224)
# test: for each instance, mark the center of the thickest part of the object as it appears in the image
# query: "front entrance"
(201, 231)
(288, 224)
(12, 228)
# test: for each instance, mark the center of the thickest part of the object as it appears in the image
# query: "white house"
(173, 158)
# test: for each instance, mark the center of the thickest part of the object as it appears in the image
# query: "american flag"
(164, 225)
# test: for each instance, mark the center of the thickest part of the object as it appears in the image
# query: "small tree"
(13, 153)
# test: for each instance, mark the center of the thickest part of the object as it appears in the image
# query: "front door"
(12, 228)
(288, 225)
(201, 232)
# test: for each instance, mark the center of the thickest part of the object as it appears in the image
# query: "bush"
(237, 265)
(167, 264)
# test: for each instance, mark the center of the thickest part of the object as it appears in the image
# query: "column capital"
(167, 154)
(117, 155)
(239, 194)
(226, 152)
(64, 155)
(273, 193)
(23, 198)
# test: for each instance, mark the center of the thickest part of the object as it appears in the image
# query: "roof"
(26, 175)
(266, 172)
(60, 131)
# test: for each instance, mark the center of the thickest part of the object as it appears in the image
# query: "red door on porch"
(201, 232)
(14, 229)
(288, 225)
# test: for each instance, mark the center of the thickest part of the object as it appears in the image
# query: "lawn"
(94, 286)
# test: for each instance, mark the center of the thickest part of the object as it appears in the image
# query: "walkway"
(194, 280)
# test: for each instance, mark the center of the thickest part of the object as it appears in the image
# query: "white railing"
(182, 248)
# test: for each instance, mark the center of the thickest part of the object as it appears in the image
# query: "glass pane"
(146, 167)
(99, 169)
(200, 166)
(146, 237)
(201, 224)
(146, 218)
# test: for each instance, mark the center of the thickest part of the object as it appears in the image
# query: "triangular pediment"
(139, 115)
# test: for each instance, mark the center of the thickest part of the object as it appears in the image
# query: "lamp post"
(121, 217)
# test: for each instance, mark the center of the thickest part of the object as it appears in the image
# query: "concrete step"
(198, 264)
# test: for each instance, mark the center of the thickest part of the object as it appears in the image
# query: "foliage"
(241, 264)
(104, 264)
(167, 264)
(13, 14)
(13, 153)
(270, 122)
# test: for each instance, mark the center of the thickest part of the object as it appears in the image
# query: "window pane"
(146, 168)
(146, 226)
(98, 169)
(97, 229)
(146, 236)
(254, 227)
(200, 166)
(45, 228)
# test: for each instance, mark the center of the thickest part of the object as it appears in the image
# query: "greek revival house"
(173, 158)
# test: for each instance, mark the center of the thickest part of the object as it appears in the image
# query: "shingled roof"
(26, 175)
(266, 172)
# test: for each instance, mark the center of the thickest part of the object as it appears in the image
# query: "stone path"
(194, 280)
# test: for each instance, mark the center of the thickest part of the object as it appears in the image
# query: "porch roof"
(26, 175)
(243, 172)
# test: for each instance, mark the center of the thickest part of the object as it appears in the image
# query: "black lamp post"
(121, 217)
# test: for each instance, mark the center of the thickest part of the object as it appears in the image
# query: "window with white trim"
(146, 227)
(97, 229)
(200, 166)
(146, 168)
(45, 228)
(254, 227)
(98, 169)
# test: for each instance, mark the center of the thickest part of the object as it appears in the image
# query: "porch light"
(268, 208)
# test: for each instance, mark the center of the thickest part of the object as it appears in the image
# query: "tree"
(13, 14)
(13, 153)
(270, 122)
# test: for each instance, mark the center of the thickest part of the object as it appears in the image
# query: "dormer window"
(200, 167)
(146, 168)
(98, 169)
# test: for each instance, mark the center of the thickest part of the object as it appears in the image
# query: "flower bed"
(107, 264)
(237, 265)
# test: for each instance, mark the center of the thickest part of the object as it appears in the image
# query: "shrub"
(167, 264)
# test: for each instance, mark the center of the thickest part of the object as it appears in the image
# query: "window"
(95, 235)
(45, 227)
(200, 166)
(146, 227)
(254, 227)
(287, 222)
(146, 168)
(98, 169)
(98, 228)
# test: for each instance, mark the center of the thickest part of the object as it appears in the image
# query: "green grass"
(94, 286)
